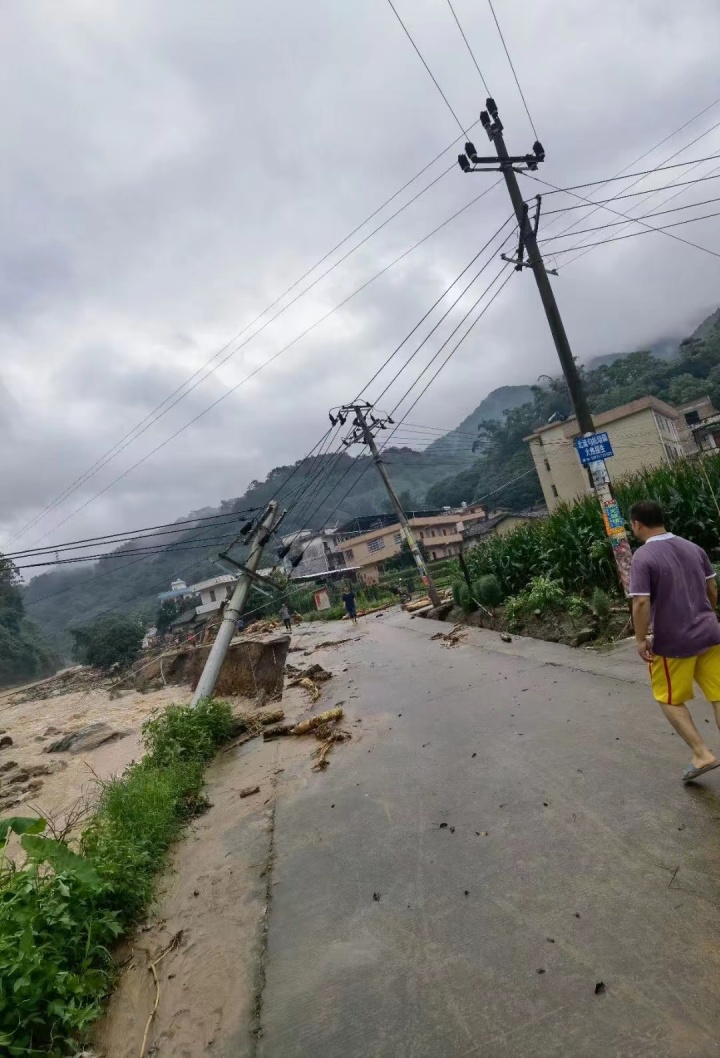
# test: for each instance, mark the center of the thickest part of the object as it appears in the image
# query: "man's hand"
(645, 650)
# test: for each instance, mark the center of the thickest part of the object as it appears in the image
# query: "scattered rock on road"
(249, 791)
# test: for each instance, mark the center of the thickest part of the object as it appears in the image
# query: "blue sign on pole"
(593, 447)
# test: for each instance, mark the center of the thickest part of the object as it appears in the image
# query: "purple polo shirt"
(674, 573)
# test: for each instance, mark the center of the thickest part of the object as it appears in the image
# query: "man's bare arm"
(641, 623)
(712, 590)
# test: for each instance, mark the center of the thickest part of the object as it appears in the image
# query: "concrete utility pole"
(363, 433)
(233, 610)
(509, 166)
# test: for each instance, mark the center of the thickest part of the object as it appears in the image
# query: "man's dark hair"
(648, 513)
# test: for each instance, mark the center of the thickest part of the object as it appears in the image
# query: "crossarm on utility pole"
(236, 605)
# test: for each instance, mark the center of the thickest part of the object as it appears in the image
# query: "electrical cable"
(664, 201)
(275, 356)
(714, 175)
(140, 431)
(631, 235)
(459, 297)
(628, 176)
(436, 302)
(89, 580)
(617, 213)
(632, 220)
(263, 313)
(98, 541)
(517, 82)
(663, 162)
(432, 75)
(467, 44)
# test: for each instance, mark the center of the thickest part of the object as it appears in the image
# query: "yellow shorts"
(672, 678)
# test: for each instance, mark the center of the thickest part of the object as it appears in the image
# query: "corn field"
(571, 547)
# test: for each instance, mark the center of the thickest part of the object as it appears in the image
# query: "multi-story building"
(441, 535)
(317, 553)
(644, 433)
(697, 413)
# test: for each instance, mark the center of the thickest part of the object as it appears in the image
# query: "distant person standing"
(286, 617)
(674, 594)
(348, 599)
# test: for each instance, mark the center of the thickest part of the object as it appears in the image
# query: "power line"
(667, 199)
(649, 231)
(230, 517)
(632, 194)
(275, 356)
(458, 343)
(150, 421)
(120, 445)
(517, 82)
(432, 75)
(634, 220)
(434, 306)
(467, 44)
(628, 176)
(447, 312)
(617, 213)
(663, 162)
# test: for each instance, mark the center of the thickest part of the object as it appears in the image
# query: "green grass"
(61, 910)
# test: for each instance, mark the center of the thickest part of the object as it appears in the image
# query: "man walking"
(674, 594)
(286, 616)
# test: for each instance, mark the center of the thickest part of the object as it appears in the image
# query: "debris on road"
(318, 721)
(505, 637)
(249, 791)
(452, 638)
(308, 679)
(599, 988)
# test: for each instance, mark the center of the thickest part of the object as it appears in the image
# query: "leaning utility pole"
(362, 432)
(592, 446)
(233, 610)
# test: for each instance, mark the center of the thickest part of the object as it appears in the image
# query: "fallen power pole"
(262, 533)
(529, 256)
(362, 433)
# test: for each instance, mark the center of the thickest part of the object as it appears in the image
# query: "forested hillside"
(505, 475)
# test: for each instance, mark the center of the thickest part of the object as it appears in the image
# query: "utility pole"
(509, 166)
(362, 432)
(206, 684)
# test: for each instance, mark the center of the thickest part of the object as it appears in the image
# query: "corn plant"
(571, 548)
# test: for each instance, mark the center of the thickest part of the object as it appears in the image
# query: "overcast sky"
(169, 169)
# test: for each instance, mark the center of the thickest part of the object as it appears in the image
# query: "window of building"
(398, 538)
(376, 545)
(444, 532)
(547, 465)
(349, 555)
(554, 491)
(212, 595)
(672, 452)
(692, 418)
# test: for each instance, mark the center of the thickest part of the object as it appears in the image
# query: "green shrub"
(600, 604)
(458, 586)
(487, 590)
(60, 912)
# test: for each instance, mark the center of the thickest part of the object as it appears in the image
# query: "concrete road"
(506, 829)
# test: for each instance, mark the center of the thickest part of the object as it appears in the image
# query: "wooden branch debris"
(451, 638)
